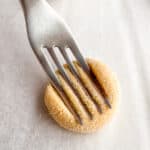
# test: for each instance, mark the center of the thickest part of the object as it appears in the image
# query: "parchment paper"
(116, 32)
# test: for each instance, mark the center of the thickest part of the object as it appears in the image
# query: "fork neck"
(29, 4)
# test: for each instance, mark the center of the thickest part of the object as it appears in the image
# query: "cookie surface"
(61, 114)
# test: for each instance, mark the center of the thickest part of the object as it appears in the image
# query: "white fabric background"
(114, 31)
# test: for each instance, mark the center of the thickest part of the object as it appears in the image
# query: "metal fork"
(47, 30)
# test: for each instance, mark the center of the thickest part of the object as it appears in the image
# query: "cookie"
(93, 116)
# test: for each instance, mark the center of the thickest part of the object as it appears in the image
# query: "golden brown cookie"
(58, 110)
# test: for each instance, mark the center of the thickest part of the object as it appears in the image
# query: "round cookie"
(61, 114)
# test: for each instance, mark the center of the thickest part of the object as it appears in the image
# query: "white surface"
(117, 32)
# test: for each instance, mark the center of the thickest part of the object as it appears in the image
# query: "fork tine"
(101, 89)
(73, 70)
(74, 48)
(69, 105)
(56, 61)
(55, 83)
(47, 67)
(62, 71)
(65, 55)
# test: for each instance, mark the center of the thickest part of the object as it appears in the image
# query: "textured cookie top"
(61, 113)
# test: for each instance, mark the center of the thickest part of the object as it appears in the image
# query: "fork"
(47, 30)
